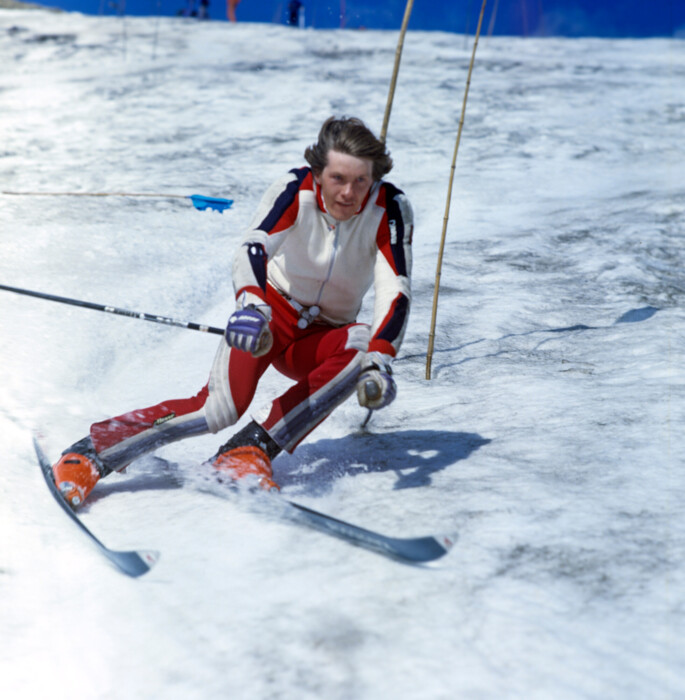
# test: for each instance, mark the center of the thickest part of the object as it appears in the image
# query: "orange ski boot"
(246, 462)
(76, 473)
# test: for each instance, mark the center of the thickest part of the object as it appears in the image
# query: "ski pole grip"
(372, 390)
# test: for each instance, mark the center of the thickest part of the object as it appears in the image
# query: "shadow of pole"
(633, 316)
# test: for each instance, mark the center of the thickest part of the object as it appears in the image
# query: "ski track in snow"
(550, 437)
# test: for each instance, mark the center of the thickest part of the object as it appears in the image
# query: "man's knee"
(220, 408)
(358, 337)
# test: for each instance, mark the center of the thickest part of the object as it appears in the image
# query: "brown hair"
(351, 136)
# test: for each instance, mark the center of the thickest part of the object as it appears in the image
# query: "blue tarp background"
(602, 18)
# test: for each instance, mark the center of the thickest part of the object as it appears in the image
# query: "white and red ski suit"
(298, 260)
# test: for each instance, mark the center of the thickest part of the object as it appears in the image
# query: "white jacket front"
(294, 245)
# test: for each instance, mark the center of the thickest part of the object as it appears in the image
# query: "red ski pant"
(324, 362)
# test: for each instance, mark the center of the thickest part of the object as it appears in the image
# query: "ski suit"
(313, 272)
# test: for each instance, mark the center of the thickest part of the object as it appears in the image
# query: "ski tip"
(447, 541)
(37, 446)
(149, 556)
(136, 563)
(441, 547)
(433, 551)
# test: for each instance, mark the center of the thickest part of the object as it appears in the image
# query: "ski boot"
(77, 472)
(248, 454)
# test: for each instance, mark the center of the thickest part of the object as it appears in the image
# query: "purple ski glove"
(248, 330)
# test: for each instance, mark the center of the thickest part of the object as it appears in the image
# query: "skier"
(322, 235)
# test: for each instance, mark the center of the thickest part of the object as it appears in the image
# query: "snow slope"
(550, 437)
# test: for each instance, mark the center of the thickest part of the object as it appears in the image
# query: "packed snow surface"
(550, 437)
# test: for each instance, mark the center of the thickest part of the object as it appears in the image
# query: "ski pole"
(373, 392)
(114, 310)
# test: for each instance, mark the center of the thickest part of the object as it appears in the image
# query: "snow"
(550, 437)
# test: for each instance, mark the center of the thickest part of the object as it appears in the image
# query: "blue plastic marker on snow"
(202, 202)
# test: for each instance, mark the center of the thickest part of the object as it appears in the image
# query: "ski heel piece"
(77, 471)
(75, 476)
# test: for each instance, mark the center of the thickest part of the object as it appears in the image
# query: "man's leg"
(232, 383)
(325, 364)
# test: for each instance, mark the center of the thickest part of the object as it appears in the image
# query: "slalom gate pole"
(388, 104)
(431, 336)
(396, 69)
(113, 310)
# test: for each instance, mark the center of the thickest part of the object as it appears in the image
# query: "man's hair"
(351, 136)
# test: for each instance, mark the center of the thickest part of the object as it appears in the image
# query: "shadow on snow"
(149, 473)
(412, 455)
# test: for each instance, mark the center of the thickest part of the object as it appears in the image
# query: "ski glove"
(248, 330)
(375, 387)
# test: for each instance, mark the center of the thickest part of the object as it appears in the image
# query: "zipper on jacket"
(330, 264)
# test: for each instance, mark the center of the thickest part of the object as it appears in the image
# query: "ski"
(407, 550)
(134, 563)
(414, 550)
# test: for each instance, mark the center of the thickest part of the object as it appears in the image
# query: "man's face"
(345, 182)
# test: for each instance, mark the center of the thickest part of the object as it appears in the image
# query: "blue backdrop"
(603, 18)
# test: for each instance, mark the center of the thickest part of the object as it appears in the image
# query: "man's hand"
(375, 387)
(248, 330)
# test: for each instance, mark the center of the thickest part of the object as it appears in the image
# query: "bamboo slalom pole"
(199, 201)
(396, 69)
(431, 336)
(94, 194)
(370, 387)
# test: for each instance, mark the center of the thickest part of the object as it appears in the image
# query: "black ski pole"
(114, 310)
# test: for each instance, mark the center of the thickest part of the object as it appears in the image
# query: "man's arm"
(392, 274)
(248, 327)
(277, 211)
(375, 387)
